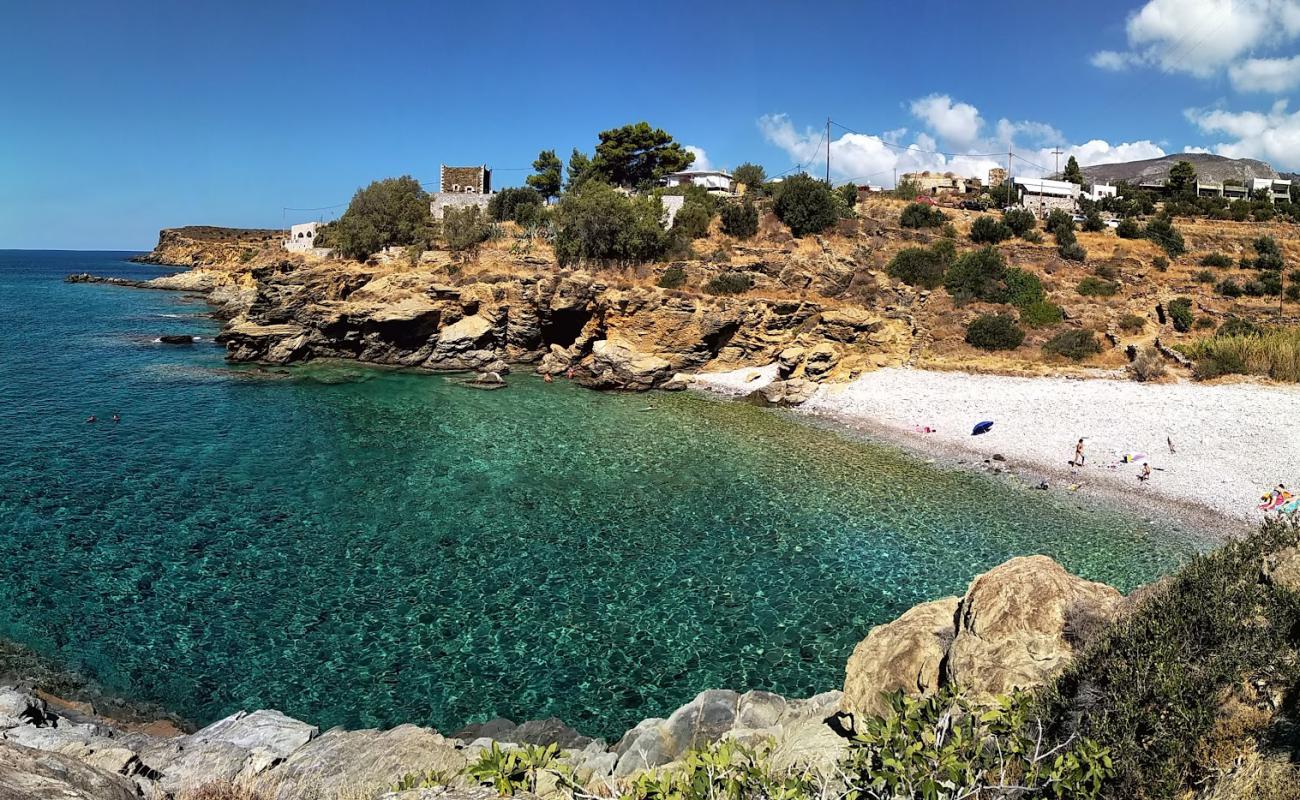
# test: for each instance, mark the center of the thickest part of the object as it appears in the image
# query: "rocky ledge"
(1017, 626)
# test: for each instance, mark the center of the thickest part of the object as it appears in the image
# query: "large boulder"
(339, 760)
(267, 730)
(1014, 624)
(27, 774)
(905, 654)
(616, 365)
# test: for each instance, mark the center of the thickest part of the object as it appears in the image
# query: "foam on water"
(364, 547)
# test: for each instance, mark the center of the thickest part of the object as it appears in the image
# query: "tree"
(1019, 220)
(921, 266)
(546, 178)
(516, 203)
(1161, 231)
(635, 156)
(597, 223)
(989, 230)
(465, 229)
(1072, 172)
(579, 169)
(805, 204)
(387, 213)
(994, 332)
(978, 275)
(921, 215)
(692, 220)
(752, 175)
(1182, 179)
(740, 219)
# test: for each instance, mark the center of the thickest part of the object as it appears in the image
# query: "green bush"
(921, 215)
(1128, 229)
(673, 278)
(994, 332)
(740, 219)
(988, 230)
(729, 283)
(1107, 271)
(1180, 313)
(1160, 263)
(507, 204)
(920, 266)
(805, 204)
(943, 746)
(1075, 344)
(1204, 276)
(1268, 254)
(1092, 286)
(1131, 323)
(1041, 314)
(1236, 326)
(595, 223)
(1150, 689)
(977, 275)
(1161, 231)
(1092, 222)
(1072, 251)
(1058, 221)
(1019, 220)
(1216, 260)
(1229, 288)
(1033, 237)
(692, 220)
(464, 229)
(393, 212)
(1023, 287)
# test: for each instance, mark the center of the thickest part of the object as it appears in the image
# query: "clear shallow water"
(362, 547)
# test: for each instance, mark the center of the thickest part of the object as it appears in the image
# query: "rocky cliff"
(206, 245)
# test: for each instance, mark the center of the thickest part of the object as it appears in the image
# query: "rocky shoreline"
(988, 641)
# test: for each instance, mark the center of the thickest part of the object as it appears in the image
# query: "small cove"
(364, 547)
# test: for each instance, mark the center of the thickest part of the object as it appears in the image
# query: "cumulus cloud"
(958, 124)
(1273, 75)
(1272, 136)
(1204, 37)
(868, 158)
(1191, 148)
(701, 158)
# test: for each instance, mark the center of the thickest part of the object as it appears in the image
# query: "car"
(972, 205)
(1112, 223)
(1079, 218)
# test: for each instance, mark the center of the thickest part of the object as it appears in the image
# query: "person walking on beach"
(1078, 455)
(1145, 474)
(1169, 441)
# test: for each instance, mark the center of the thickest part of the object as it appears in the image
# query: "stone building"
(441, 201)
(1041, 195)
(936, 182)
(467, 180)
(997, 176)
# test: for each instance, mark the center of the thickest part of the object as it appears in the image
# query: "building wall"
(440, 201)
(672, 204)
(470, 180)
(302, 237)
(1042, 204)
(997, 176)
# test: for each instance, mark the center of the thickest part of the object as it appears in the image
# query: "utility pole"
(1010, 186)
(828, 151)
(1057, 153)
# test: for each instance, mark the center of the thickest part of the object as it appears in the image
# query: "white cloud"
(1273, 75)
(874, 159)
(701, 158)
(958, 124)
(1204, 37)
(1272, 136)
(1191, 148)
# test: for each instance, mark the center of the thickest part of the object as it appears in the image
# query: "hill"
(1209, 167)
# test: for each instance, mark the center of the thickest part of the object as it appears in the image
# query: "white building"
(1274, 190)
(713, 180)
(1099, 190)
(1041, 195)
(302, 237)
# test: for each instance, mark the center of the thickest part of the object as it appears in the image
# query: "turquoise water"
(362, 547)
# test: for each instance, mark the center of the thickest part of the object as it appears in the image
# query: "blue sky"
(117, 119)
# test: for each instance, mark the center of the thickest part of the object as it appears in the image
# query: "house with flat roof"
(302, 237)
(1041, 195)
(933, 183)
(1274, 190)
(711, 179)
(459, 187)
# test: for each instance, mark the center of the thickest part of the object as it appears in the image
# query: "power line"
(912, 148)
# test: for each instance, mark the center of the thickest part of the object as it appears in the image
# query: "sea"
(367, 547)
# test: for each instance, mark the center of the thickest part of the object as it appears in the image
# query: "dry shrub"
(1148, 366)
(229, 790)
(1275, 354)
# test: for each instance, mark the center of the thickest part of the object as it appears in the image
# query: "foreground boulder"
(1016, 627)
(28, 774)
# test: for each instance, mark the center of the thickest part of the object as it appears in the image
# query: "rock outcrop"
(1016, 627)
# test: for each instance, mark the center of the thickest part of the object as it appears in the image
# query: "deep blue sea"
(363, 547)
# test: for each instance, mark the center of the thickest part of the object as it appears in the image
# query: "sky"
(120, 118)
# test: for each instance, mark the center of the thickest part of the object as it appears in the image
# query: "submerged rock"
(176, 339)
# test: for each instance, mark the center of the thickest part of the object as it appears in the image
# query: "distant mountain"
(1210, 168)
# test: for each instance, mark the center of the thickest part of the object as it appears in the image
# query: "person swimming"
(116, 418)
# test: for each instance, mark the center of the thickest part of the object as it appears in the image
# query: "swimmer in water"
(91, 418)
(116, 418)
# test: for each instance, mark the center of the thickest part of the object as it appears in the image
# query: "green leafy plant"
(464, 229)
(729, 283)
(1180, 313)
(514, 203)
(921, 215)
(1131, 323)
(805, 204)
(1162, 231)
(1216, 260)
(922, 266)
(516, 769)
(994, 332)
(1075, 344)
(1128, 228)
(1019, 220)
(740, 219)
(978, 275)
(596, 223)
(1041, 314)
(1092, 286)
(989, 230)
(674, 277)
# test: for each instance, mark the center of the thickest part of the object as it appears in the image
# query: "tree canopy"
(387, 213)
(1182, 178)
(752, 175)
(1072, 172)
(805, 204)
(597, 223)
(579, 169)
(546, 178)
(637, 155)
